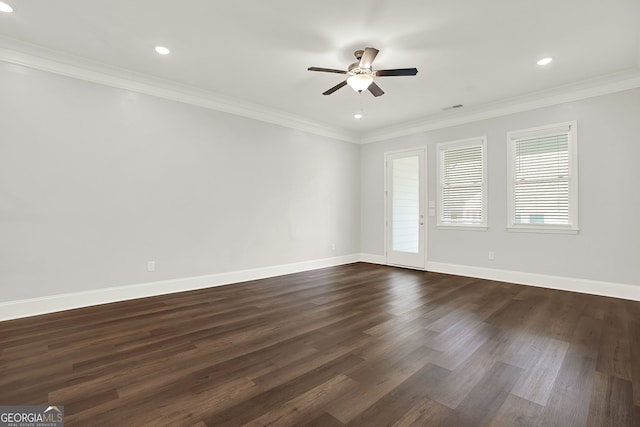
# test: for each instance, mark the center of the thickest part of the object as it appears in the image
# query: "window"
(462, 186)
(543, 173)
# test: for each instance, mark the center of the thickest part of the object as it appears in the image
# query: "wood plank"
(376, 380)
(536, 383)
(614, 353)
(568, 404)
(611, 403)
(323, 420)
(273, 396)
(518, 412)
(299, 408)
(466, 376)
(397, 402)
(634, 347)
(484, 400)
(586, 337)
(427, 412)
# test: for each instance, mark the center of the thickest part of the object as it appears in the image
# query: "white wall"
(96, 181)
(608, 245)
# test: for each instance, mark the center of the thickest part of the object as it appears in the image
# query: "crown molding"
(37, 57)
(604, 85)
(28, 55)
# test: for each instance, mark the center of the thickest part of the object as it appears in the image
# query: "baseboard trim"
(373, 259)
(585, 286)
(61, 302)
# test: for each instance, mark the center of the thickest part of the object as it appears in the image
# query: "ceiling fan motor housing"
(355, 67)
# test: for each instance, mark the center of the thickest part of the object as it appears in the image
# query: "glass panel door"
(405, 209)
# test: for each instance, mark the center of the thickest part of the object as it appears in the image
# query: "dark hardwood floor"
(360, 345)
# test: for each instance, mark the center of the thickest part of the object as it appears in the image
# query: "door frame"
(387, 206)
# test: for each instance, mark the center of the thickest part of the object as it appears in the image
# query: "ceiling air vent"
(453, 107)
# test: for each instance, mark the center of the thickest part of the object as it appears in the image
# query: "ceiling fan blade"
(375, 90)
(326, 70)
(335, 88)
(397, 72)
(367, 57)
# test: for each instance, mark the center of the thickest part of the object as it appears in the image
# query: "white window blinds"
(543, 190)
(542, 179)
(462, 184)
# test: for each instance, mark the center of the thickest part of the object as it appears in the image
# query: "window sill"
(542, 229)
(462, 227)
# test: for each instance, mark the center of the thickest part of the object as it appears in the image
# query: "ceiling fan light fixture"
(360, 82)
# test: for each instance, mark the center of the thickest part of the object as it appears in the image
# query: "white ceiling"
(475, 53)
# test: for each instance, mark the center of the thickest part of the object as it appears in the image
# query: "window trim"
(462, 143)
(572, 228)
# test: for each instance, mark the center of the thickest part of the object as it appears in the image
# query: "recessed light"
(357, 116)
(5, 7)
(545, 61)
(162, 50)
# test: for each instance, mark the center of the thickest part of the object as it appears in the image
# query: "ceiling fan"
(361, 74)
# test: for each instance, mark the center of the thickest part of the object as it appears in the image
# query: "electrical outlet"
(492, 255)
(151, 266)
(333, 246)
